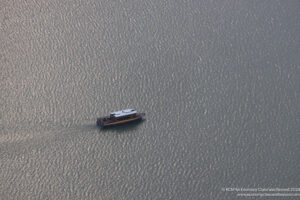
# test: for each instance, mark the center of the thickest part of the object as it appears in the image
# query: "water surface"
(218, 81)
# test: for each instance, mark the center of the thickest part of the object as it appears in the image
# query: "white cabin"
(123, 113)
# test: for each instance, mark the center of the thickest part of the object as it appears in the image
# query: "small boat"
(120, 117)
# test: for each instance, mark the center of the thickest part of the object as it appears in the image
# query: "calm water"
(219, 82)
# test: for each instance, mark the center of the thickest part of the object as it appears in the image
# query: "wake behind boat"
(120, 117)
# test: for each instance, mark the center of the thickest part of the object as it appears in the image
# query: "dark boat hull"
(120, 124)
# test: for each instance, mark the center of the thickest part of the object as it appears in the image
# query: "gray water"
(219, 82)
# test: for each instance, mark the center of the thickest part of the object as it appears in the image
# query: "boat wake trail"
(26, 131)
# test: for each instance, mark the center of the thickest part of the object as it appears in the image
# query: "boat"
(120, 117)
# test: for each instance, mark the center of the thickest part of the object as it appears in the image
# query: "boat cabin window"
(124, 117)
